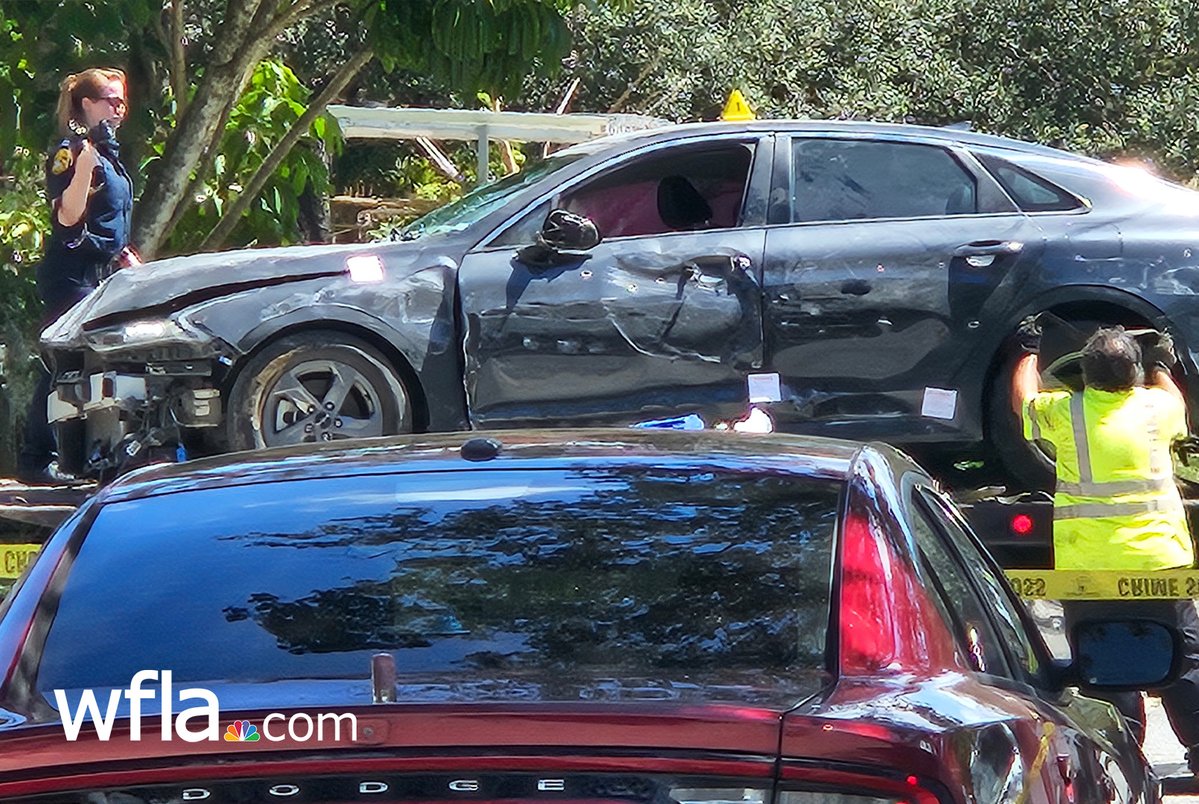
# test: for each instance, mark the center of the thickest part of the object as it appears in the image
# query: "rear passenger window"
(842, 180)
(1030, 192)
(967, 616)
(1005, 608)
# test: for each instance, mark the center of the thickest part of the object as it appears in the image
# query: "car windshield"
(548, 584)
(482, 201)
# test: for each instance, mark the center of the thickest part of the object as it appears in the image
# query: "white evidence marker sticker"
(939, 403)
(764, 388)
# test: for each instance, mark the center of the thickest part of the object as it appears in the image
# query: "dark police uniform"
(77, 258)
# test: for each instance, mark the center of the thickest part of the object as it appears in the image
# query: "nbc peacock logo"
(242, 731)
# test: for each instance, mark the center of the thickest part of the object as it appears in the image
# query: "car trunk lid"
(483, 744)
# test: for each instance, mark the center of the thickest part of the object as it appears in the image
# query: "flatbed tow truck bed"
(1177, 779)
(41, 506)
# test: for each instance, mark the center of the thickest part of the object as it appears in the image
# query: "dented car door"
(877, 282)
(663, 316)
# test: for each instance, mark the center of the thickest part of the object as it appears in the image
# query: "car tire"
(315, 386)
(1029, 465)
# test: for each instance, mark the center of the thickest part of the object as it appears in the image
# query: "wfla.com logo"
(192, 724)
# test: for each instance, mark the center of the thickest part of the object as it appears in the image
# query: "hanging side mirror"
(562, 238)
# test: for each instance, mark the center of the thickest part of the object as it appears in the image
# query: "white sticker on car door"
(939, 403)
(764, 388)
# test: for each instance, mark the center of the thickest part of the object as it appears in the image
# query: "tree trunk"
(240, 46)
(200, 174)
(254, 186)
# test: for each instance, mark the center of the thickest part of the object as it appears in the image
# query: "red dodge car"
(569, 617)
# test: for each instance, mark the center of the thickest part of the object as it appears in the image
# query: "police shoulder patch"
(62, 160)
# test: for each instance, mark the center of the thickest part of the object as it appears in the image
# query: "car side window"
(1030, 192)
(681, 190)
(967, 616)
(844, 180)
(1005, 609)
(524, 231)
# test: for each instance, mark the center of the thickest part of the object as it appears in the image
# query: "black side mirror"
(561, 239)
(1133, 654)
(566, 231)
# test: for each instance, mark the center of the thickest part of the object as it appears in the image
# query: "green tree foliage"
(191, 60)
(471, 44)
(270, 106)
(23, 221)
(1112, 78)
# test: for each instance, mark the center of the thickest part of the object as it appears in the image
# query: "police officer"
(91, 197)
(1115, 505)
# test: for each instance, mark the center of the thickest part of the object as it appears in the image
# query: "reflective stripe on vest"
(1087, 487)
(1099, 510)
(1160, 484)
(1078, 423)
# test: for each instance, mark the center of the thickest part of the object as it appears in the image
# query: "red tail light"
(888, 625)
(1022, 524)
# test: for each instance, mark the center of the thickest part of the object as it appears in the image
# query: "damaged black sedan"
(874, 271)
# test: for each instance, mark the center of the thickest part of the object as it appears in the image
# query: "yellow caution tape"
(14, 558)
(1104, 585)
(1034, 773)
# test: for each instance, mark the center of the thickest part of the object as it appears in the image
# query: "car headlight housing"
(145, 333)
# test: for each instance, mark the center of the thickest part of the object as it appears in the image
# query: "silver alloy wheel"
(321, 400)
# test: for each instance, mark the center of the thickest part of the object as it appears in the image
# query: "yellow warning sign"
(1108, 585)
(736, 109)
(14, 558)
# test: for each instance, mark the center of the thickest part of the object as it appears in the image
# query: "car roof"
(853, 127)
(519, 449)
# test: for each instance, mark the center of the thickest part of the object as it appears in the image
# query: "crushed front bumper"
(109, 417)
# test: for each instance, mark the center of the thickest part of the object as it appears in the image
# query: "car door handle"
(982, 253)
(994, 248)
(718, 264)
(701, 277)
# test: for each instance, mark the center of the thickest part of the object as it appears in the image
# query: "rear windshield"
(550, 584)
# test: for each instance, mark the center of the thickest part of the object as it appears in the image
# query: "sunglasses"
(118, 104)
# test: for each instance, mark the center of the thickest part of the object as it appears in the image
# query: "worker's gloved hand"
(1028, 335)
(1159, 352)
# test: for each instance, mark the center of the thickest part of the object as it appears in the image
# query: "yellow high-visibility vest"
(1115, 506)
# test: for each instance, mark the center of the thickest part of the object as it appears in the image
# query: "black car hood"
(164, 286)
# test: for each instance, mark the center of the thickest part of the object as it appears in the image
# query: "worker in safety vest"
(1115, 505)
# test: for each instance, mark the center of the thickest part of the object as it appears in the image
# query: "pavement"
(1164, 751)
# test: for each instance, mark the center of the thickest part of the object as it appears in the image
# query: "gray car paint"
(489, 339)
